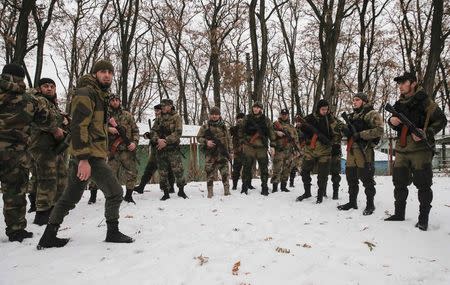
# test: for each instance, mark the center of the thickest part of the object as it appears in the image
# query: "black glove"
(347, 132)
(146, 135)
(336, 150)
(356, 136)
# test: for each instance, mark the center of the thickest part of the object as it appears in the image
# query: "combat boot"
(114, 235)
(335, 192)
(181, 192)
(284, 188)
(171, 188)
(399, 212)
(352, 204)
(264, 190)
(49, 238)
(320, 194)
(210, 192)
(166, 195)
(422, 223)
(370, 207)
(305, 195)
(129, 197)
(226, 190)
(19, 235)
(32, 199)
(244, 189)
(235, 183)
(41, 217)
(93, 197)
(274, 187)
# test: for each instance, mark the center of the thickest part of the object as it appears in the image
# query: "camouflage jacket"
(89, 116)
(220, 132)
(417, 108)
(283, 143)
(236, 140)
(19, 112)
(169, 127)
(327, 126)
(257, 130)
(368, 123)
(126, 120)
(44, 140)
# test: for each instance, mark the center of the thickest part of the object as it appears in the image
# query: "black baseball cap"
(284, 112)
(411, 76)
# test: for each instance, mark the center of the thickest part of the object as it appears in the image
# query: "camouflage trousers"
(49, 178)
(214, 163)
(282, 162)
(124, 166)
(170, 159)
(14, 169)
(253, 154)
(103, 176)
(360, 167)
(238, 162)
(335, 170)
(322, 162)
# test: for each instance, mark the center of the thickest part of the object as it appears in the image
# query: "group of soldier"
(103, 137)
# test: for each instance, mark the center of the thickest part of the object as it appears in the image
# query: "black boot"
(320, 194)
(283, 187)
(274, 187)
(172, 189)
(305, 195)
(352, 204)
(422, 224)
(251, 187)
(129, 196)
(19, 235)
(244, 189)
(49, 238)
(41, 217)
(235, 182)
(114, 235)
(139, 189)
(264, 190)
(335, 192)
(399, 212)
(93, 197)
(370, 207)
(181, 193)
(292, 177)
(32, 198)
(166, 195)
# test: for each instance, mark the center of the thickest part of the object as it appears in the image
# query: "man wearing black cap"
(122, 153)
(89, 150)
(166, 135)
(152, 164)
(215, 139)
(283, 150)
(18, 111)
(368, 129)
(320, 130)
(256, 132)
(413, 156)
(50, 171)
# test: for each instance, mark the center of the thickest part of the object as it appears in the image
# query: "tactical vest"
(361, 124)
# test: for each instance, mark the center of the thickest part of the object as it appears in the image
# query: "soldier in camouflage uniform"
(122, 157)
(89, 149)
(152, 164)
(283, 151)
(50, 170)
(413, 156)
(335, 163)
(18, 113)
(368, 126)
(320, 130)
(214, 137)
(166, 135)
(256, 131)
(298, 159)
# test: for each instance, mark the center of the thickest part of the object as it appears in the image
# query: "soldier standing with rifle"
(417, 119)
(49, 167)
(152, 164)
(214, 137)
(256, 132)
(284, 148)
(320, 130)
(123, 138)
(166, 134)
(363, 129)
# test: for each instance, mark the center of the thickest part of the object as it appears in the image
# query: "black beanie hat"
(45, 80)
(14, 69)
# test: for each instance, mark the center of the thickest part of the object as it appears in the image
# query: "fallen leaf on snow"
(447, 206)
(235, 270)
(268, 238)
(365, 228)
(282, 250)
(215, 210)
(128, 217)
(202, 259)
(236, 229)
(370, 245)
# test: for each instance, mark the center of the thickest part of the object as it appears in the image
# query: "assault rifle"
(318, 135)
(353, 130)
(219, 145)
(278, 127)
(410, 125)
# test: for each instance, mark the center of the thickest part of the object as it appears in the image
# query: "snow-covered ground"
(316, 243)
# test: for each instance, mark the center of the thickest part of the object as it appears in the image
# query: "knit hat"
(240, 115)
(166, 102)
(258, 104)
(102, 64)
(14, 69)
(45, 80)
(214, 111)
(363, 96)
(157, 107)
